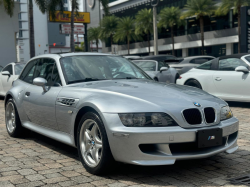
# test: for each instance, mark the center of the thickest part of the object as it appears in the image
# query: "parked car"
(158, 70)
(132, 57)
(117, 114)
(9, 74)
(187, 63)
(159, 57)
(226, 77)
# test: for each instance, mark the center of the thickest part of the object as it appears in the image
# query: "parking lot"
(40, 161)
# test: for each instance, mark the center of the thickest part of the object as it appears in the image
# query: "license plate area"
(209, 138)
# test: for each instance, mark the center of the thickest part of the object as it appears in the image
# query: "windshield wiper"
(127, 78)
(86, 80)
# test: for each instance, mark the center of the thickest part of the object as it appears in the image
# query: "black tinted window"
(230, 64)
(28, 72)
(44, 70)
(56, 81)
(199, 61)
(9, 69)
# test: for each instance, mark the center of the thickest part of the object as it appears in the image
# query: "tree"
(125, 30)
(108, 27)
(144, 23)
(169, 17)
(94, 34)
(226, 6)
(8, 6)
(199, 8)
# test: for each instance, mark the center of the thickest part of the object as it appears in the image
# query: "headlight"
(147, 120)
(225, 113)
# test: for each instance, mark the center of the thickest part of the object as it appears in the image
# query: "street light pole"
(154, 3)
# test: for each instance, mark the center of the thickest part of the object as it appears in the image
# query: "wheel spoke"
(94, 154)
(93, 130)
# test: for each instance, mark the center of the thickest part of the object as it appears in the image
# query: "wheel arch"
(83, 110)
(7, 97)
(193, 79)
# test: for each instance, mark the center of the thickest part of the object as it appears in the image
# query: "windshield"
(92, 68)
(19, 68)
(146, 65)
(206, 65)
(247, 58)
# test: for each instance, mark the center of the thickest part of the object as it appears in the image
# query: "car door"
(167, 75)
(229, 83)
(7, 80)
(39, 105)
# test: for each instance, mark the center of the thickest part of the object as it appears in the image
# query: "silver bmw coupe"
(111, 111)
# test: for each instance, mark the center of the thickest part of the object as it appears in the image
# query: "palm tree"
(226, 6)
(8, 6)
(169, 17)
(94, 34)
(144, 23)
(199, 8)
(125, 30)
(108, 27)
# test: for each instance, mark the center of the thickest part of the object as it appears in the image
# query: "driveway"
(40, 161)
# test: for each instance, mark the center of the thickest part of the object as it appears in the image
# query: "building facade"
(221, 33)
(8, 31)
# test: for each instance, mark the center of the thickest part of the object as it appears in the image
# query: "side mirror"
(6, 73)
(163, 69)
(39, 81)
(242, 69)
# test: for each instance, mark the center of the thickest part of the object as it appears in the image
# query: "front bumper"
(163, 145)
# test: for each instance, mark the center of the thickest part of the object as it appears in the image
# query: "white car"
(9, 74)
(226, 77)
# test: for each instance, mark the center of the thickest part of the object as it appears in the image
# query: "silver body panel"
(51, 114)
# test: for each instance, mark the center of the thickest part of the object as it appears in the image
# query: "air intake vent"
(65, 101)
(192, 116)
(209, 115)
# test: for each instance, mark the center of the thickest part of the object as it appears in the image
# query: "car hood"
(161, 94)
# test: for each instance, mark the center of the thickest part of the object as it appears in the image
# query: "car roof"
(145, 57)
(234, 56)
(194, 57)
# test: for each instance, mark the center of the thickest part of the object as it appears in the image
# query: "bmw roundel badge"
(197, 104)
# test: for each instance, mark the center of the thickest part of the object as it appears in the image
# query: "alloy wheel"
(10, 117)
(90, 143)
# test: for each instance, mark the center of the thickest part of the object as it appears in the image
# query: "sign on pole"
(66, 29)
(65, 16)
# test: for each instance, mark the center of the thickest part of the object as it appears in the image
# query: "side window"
(198, 61)
(28, 72)
(9, 69)
(230, 64)
(56, 81)
(44, 69)
(162, 64)
(206, 65)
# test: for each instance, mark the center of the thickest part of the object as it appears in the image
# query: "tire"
(12, 120)
(93, 146)
(176, 77)
(193, 83)
(156, 79)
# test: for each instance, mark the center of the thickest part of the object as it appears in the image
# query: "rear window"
(206, 65)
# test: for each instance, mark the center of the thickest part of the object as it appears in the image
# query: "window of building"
(216, 51)
(20, 24)
(19, 16)
(65, 8)
(235, 48)
(20, 34)
(65, 1)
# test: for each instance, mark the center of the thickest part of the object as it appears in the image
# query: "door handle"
(218, 78)
(27, 94)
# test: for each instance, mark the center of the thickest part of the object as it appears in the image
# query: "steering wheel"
(122, 75)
